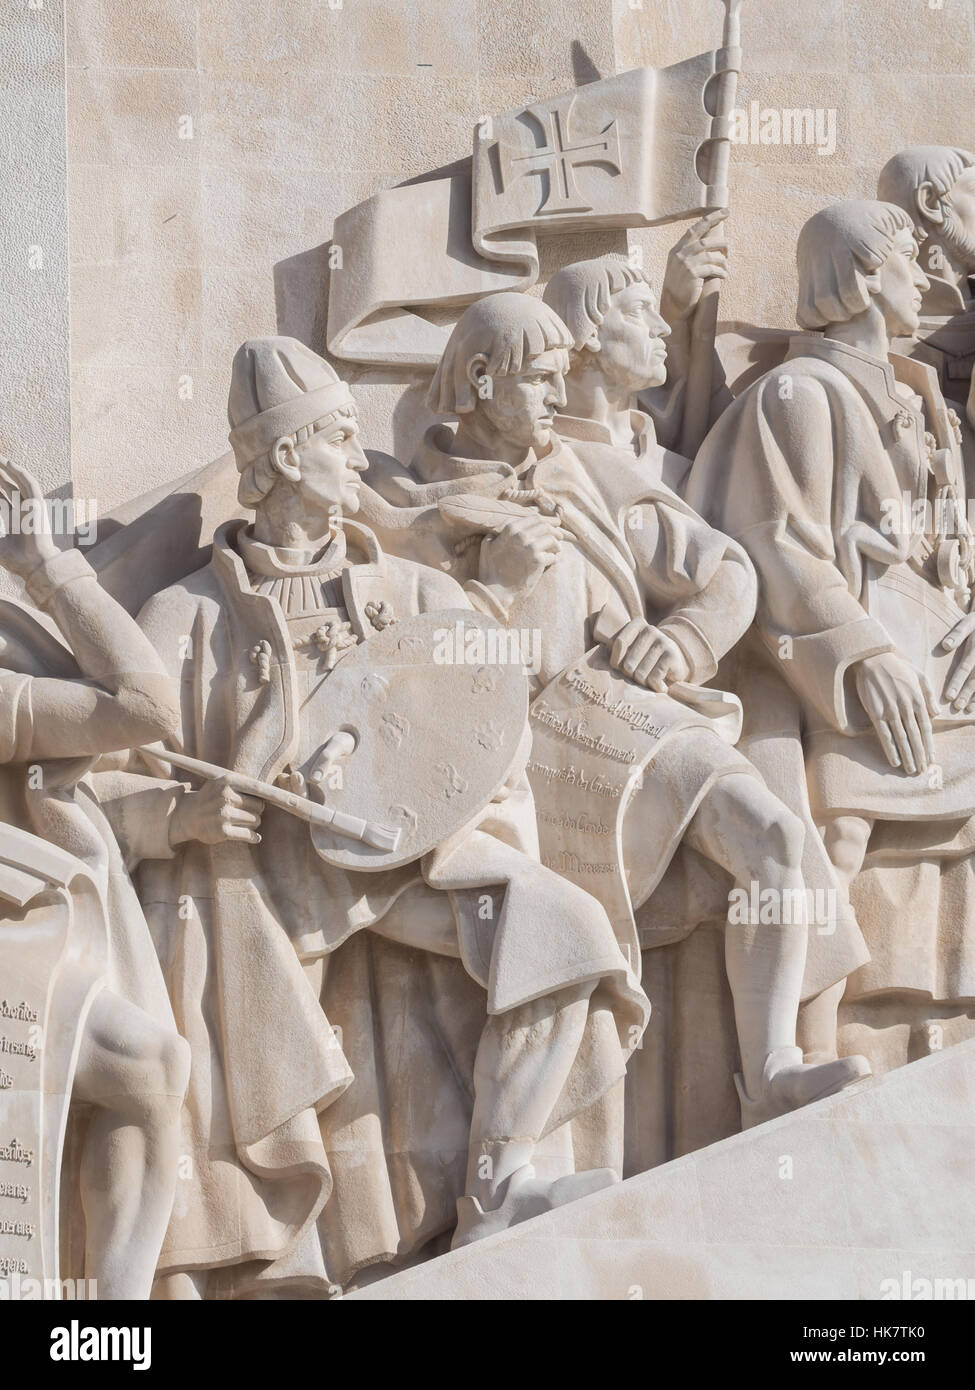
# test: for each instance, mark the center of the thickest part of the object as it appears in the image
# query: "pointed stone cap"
(278, 385)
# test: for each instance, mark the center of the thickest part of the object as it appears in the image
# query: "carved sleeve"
(700, 585)
(139, 809)
(781, 462)
(126, 698)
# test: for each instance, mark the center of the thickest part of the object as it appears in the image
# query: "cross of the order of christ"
(559, 157)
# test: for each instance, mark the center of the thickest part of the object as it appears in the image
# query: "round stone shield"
(437, 705)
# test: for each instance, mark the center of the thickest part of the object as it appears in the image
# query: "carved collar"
(879, 375)
(282, 562)
(434, 462)
(363, 582)
(363, 546)
(595, 432)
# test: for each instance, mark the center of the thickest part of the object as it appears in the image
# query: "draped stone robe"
(80, 814)
(697, 584)
(634, 546)
(806, 469)
(316, 1153)
(68, 818)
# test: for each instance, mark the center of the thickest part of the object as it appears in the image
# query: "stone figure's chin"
(655, 374)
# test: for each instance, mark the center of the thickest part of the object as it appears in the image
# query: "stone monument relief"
(488, 671)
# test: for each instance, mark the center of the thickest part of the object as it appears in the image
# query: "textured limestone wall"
(183, 247)
(34, 399)
(211, 143)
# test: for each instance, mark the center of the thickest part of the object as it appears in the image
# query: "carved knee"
(846, 845)
(786, 838)
(158, 1079)
(779, 833)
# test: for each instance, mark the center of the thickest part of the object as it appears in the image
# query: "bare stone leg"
(817, 1024)
(745, 828)
(134, 1072)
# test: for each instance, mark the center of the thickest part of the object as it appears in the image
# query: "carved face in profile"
(958, 231)
(520, 406)
(901, 282)
(632, 352)
(329, 463)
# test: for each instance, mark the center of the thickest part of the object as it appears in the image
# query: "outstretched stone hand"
(21, 551)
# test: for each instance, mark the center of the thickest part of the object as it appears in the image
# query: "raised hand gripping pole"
(700, 371)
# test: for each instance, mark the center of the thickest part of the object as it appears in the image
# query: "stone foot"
(524, 1196)
(789, 1084)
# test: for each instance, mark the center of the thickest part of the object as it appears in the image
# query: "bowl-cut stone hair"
(839, 249)
(581, 293)
(939, 165)
(508, 330)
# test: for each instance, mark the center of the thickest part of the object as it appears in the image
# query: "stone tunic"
(308, 591)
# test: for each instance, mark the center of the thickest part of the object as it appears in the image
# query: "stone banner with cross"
(625, 151)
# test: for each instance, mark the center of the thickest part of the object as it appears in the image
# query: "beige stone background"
(211, 143)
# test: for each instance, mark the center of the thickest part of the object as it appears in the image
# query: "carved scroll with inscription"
(596, 741)
(45, 991)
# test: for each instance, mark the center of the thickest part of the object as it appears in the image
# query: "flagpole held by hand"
(697, 398)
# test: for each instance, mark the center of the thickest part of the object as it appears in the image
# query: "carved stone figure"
(607, 555)
(353, 811)
(620, 353)
(85, 1015)
(841, 475)
(935, 185)
(700, 255)
(272, 643)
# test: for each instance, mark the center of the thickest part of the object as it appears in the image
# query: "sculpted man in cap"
(258, 639)
(935, 186)
(609, 554)
(840, 474)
